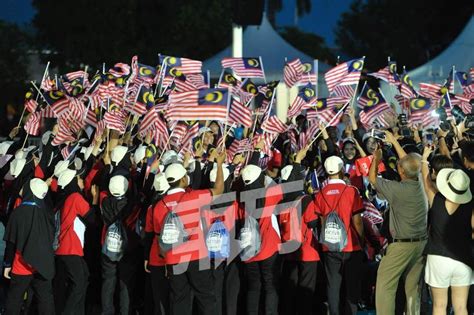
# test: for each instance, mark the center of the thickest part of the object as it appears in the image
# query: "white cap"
(175, 172)
(16, 166)
(66, 177)
(4, 146)
(250, 173)
(286, 171)
(139, 154)
(60, 167)
(88, 152)
(454, 185)
(160, 184)
(203, 130)
(78, 163)
(22, 153)
(39, 188)
(169, 157)
(213, 174)
(118, 153)
(118, 185)
(333, 165)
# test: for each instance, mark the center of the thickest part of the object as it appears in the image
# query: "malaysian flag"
(267, 142)
(184, 65)
(305, 97)
(142, 73)
(371, 212)
(64, 133)
(178, 132)
(326, 109)
(373, 106)
(30, 103)
(273, 124)
(346, 73)
(245, 67)
(308, 135)
(32, 125)
(115, 119)
(388, 74)
(431, 90)
(292, 72)
(206, 104)
(199, 81)
(238, 146)
(463, 79)
(421, 112)
(343, 90)
(227, 80)
(120, 70)
(463, 102)
(248, 90)
(445, 103)
(145, 100)
(71, 76)
(309, 74)
(406, 86)
(240, 114)
(153, 121)
(47, 84)
(52, 97)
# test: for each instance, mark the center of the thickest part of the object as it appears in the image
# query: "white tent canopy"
(459, 54)
(265, 42)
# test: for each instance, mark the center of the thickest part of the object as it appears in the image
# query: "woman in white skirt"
(449, 261)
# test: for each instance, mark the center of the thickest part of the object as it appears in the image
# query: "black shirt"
(450, 235)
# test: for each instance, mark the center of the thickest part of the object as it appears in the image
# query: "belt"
(409, 240)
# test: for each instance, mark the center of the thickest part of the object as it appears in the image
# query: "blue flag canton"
(213, 97)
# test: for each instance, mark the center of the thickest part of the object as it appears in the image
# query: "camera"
(403, 125)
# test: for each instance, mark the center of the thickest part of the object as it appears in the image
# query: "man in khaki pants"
(408, 228)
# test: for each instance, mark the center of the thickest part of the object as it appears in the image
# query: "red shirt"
(20, 266)
(71, 236)
(155, 259)
(348, 202)
(290, 222)
(189, 211)
(268, 233)
(227, 217)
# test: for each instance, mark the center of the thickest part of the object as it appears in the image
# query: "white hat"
(16, 166)
(286, 171)
(203, 130)
(169, 157)
(160, 184)
(78, 163)
(175, 172)
(454, 185)
(118, 185)
(60, 167)
(250, 173)
(66, 177)
(22, 153)
(88, 152)
(139, 154)
(213, 174)
(39, 188)
(4, 146)
(118, 153)
(333, 165)
(45, 137)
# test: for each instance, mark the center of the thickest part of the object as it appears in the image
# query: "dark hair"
(174, 184)
(467, 149)
(438, 162)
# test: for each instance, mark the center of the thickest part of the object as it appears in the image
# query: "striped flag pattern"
(292, 72)
(245, 67)
(346, 73)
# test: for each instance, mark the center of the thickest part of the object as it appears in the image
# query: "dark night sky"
(321, 20)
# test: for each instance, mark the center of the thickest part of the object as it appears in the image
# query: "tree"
(113, 31)
(13, 63)
(308, 43)
(410, 32)
(275, 6)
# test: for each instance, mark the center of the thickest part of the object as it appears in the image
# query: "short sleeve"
(82, 206)
(357, 204)
(386, 187)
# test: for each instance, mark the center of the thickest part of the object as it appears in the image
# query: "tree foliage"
(114, 30)
(410, 32)
(308, 43)
(275, 6)
(13, 62)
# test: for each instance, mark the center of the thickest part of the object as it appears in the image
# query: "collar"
(336, 181)
(175, 191)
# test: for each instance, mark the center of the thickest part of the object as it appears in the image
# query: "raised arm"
(428, 186)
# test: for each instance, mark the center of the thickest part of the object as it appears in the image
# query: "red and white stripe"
(340, 75)
(372, 213)
(32, 125)
(64, 133)
(115, 120)
(31, 105)
(240, 114)
(120, 69)
(274, 125)
(238, 65)
(292, 72)
(344, 91)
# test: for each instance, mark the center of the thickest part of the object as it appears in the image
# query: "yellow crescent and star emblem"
(175, 72)
(251, 88)
(464, 76)
(308, 92)
(144, 71)
(307, 67)
(148, 97)
(253, 63)
(170, 61)
(113, 107)
(214, 97)
(55, 95)
(269, 94)
(393, 68)
(229, 78)
(407, 80)
(320, 104)
(357, 65)
(417, 103)
(29, 94)
(443, 90)
(372, 101)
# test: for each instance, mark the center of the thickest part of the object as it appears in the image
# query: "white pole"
(237, 40)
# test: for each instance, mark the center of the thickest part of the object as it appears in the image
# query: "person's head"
(176, 176)
(70, 178)
(334, 167)
(409, 166)
(467, 149)
(349, 149)
(333, 133)
(214, 126)
(253, 177)
(371, 145)
(454, 185)
(160, 184)
(437, 163)
(118, 186)
(207, 135)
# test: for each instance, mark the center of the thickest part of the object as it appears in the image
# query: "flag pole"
(229, 99)
(330, 122)
(263, 70)
(315, 66)
(356, 88)
(24, 142)
(220, 77)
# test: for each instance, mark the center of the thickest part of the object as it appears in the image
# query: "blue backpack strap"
(29, 203)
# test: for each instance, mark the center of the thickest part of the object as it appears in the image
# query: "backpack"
(115, 241)
(218, 241)
(250, 239)
(333, 232)
(173, 232)
(57, 229)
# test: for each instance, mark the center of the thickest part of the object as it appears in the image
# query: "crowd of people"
(356, 219)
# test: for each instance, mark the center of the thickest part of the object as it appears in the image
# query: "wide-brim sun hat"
(454, 185)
